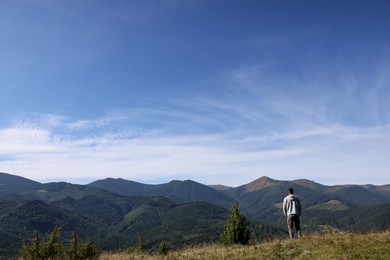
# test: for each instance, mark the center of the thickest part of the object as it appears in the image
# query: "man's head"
(290, 191)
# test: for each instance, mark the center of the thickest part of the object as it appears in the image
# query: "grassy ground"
(329, 246)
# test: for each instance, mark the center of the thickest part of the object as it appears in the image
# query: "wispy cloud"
(39, 151)
(253, 123)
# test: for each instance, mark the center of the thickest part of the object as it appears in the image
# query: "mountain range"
(111, 212)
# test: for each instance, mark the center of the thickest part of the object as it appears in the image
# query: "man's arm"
(285, 207)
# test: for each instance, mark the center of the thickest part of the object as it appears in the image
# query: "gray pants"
(293, 221)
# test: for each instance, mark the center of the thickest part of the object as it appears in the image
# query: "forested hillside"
(113, 212)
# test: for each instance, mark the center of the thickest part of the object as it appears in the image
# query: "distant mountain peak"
(14, 184)
(309, 183)
(260, 183)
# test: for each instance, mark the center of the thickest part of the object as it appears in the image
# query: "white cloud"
(91, 124)
(40, 153)
(249, 127)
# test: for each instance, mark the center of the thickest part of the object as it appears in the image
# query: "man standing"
(292, 210)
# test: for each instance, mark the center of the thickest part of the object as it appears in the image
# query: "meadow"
(333, 245)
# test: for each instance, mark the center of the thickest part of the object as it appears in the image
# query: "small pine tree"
(52, 248)
(31, 251)
(46, 249)
(88, 250)
(83, 250)
(73, 247)
(141, 245)
(164, 248)
(236, 229)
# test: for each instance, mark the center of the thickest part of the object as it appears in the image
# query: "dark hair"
(290, 190)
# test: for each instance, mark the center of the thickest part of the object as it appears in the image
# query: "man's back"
(291, 206)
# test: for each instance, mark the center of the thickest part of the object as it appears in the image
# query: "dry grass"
(330, 246)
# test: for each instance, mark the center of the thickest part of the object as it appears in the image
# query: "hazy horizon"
(89, 181)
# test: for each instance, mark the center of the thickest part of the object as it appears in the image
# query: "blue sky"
(220, 92)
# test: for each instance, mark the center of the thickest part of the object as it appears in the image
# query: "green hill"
(110, 220)
(359, 194)
(112, 212)
(19, 220)
(177, 191)
(15, 184)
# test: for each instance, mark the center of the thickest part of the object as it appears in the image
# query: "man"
(292, 210)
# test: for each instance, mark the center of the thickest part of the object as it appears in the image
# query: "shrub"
(88, 250)
(164, 248)
(141, 245)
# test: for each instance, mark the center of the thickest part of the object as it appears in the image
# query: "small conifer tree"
(42, 249)
(73, 247)
(31, 251)
(236, 229)
(141, 245)
(52, 248)
(164, 248)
